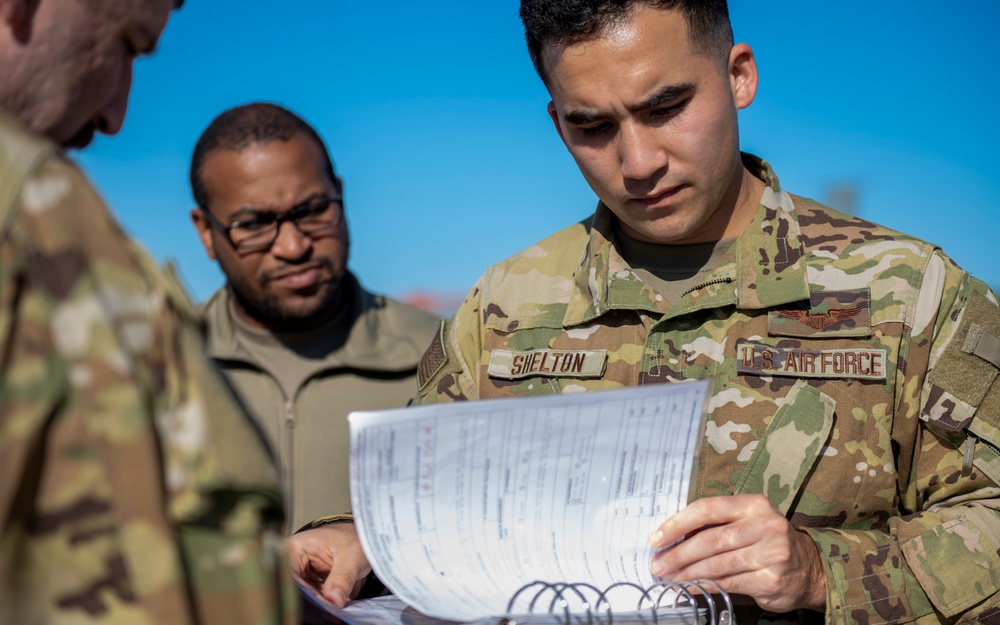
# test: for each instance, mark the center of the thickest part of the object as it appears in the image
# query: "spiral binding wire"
(592, 606)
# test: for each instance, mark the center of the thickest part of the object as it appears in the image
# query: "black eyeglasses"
(315, 216)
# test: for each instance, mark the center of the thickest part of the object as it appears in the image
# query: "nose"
(642, 156)
(291, 244)
(112, 116)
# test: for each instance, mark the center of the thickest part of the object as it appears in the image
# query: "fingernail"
(655, 538)
(658, 568)
(337, 597)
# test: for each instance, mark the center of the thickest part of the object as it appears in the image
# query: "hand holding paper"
(330, 558)
(746, 545)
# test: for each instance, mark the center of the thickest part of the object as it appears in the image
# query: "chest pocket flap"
(790, 447)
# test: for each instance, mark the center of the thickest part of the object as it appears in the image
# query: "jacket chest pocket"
(789, 447)
(816, 392)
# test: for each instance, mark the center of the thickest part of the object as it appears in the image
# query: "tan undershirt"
(291, 357)
(671, 270)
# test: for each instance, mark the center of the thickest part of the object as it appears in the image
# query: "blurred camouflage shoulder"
(122, 495)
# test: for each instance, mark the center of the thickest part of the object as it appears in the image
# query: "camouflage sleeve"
(938, 560)
(449, 370)
(132, 487)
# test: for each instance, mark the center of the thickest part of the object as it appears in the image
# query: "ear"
(338, 184)
(554, 115)
(204, 229)
(742, 75)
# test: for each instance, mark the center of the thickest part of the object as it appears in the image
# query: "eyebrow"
(666, 94)
(249, 211)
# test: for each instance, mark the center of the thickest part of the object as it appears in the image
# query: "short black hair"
(243, 126)
(565, 22)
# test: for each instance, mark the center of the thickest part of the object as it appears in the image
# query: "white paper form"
(458, 505)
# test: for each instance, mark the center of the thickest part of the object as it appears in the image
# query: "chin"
(312, 309)
(659, 233)
(81, 139)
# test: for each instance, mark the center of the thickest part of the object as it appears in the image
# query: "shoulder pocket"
(962, 391)
(961, 378)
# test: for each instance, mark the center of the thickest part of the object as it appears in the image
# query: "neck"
(746, 197)
(283, 324)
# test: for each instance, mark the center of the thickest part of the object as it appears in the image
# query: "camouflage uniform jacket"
(132, 487)
(855, 386)
(376, 367)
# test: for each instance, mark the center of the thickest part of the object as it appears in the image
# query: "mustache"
(320, 262)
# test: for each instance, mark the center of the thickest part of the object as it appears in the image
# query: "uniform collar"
(764, 267)
(371, 345)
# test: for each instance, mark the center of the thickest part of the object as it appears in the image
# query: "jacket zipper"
(288, 480)
(709, 283)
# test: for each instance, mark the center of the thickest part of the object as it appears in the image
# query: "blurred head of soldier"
(645, 96)
(67, 64)
(271, 212)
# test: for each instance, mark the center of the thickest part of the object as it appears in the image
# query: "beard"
(82, 138)
(274, 311)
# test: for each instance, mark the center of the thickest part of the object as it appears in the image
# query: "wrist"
(814, 595)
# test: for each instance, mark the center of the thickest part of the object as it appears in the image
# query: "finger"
(305, 556)
(696, 516)
(701, 562)
(302, 568)
(337, 587)
(342, 583)
(767, 592)
(712, 511)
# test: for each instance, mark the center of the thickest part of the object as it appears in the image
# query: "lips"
(660, 199)
(298, 278)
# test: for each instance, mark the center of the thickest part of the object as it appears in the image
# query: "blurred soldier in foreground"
(133, 489)
(294, 331)
(850, 469)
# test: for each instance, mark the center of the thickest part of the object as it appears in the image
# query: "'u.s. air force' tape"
(550, 363)
(861, 363)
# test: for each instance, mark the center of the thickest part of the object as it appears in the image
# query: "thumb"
(338, 586)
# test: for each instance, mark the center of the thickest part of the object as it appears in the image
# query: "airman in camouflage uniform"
(133, 488)
(850, 471)
(854, 385)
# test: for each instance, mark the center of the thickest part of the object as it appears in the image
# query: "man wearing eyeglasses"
(299, 337)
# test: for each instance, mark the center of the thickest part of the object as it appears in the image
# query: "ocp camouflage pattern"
(844, 389)
(133, 489)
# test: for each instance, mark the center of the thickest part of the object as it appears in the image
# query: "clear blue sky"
(437, 123)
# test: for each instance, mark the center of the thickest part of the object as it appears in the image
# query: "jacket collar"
(765, 267)
(371, 344)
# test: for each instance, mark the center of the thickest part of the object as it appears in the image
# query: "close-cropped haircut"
(251, 124)
(565, 22)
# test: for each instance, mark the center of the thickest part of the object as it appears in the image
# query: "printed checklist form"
(460, 505)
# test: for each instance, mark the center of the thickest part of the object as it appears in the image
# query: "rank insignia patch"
(820, 321)
(841, 314)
